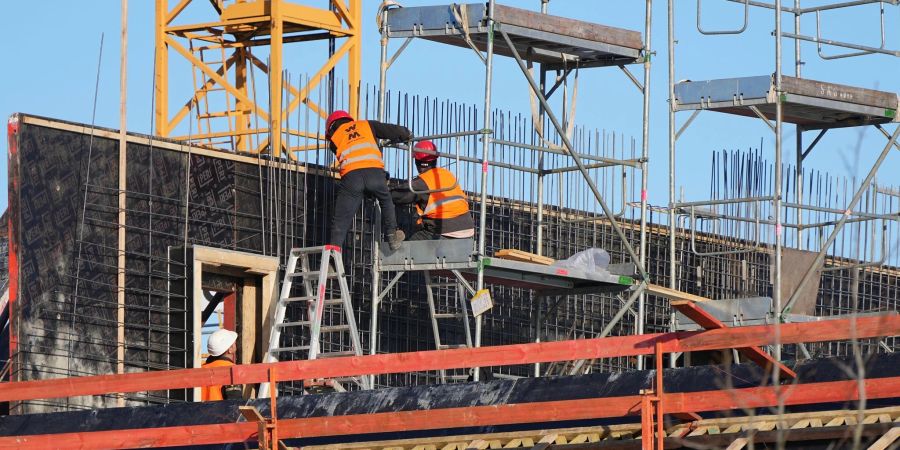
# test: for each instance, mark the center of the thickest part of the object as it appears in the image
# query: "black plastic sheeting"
(498, 392)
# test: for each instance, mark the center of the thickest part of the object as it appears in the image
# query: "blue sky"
(52, 47)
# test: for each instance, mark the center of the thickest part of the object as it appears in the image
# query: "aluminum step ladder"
(324, 313)
(456, 311)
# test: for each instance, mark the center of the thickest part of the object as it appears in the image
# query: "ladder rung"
(289, 349)
(440, 285)
(448, 315)
(336, 354)
(307, 298)
(310, 274)
(333, 328)
(333, 301)
(307, 250)
(302, 323)
(448, 347)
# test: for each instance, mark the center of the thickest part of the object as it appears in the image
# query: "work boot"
(395, 238)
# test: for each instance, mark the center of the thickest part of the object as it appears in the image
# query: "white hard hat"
(220, 341)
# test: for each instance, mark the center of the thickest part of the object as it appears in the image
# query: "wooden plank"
(886, 440)
(568, 27)
(838, 92)
(523, 256)
(709, 322)
(738, 444)
(672, 294)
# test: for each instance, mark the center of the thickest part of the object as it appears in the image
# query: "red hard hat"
(425, 157)
(339, 114)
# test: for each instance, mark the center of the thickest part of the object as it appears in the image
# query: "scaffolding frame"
(782, 93)
(461, 25)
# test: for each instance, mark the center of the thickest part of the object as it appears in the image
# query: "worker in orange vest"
(355, 143)
(443, 214)
(222, 348)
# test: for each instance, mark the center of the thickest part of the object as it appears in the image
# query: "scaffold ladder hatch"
(333, 316)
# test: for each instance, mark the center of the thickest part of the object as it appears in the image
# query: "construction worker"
(355, 143)
(443, 214)
(222, 348)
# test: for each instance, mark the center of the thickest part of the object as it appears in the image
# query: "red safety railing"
(658, 344)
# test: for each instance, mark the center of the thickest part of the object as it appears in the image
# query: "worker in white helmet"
(222, 347)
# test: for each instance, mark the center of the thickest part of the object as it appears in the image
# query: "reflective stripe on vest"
(435, 205)
(356, 147)
(445, 204)
(347, 162)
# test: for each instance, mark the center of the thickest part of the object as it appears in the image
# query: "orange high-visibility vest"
(356, 147)
(445, 204)
(213, 393)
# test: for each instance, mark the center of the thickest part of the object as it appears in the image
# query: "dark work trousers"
(353, 188)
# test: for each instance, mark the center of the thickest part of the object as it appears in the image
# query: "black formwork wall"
(64, 207)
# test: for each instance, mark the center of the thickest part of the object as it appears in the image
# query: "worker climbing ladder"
(325, 314)
(443, 319)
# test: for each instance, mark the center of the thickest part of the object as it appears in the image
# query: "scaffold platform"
(443, 257)
(546, 39)
(808, 103)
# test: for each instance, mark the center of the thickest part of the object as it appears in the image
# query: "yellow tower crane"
(220, 53)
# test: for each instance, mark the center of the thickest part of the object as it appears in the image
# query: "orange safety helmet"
(335, 116)
(422, 157)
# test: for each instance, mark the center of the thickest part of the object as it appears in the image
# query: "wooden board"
(523, 256)
(672, 294)
(838, 92)
(568, 27)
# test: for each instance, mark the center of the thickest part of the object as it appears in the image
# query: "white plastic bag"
(592, 259)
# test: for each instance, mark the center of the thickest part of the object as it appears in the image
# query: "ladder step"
(449, 347)
(448, 315)
(310, 274)
(307, 250)
(302, 323)
(307, 298)
(337, 354)
(333, 328)
(333, 301)
(289, 349)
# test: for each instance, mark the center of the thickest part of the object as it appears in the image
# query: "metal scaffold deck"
(552, 41)
(808, 103)
(452, 257)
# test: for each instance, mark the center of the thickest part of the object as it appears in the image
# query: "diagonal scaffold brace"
(645, 277)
